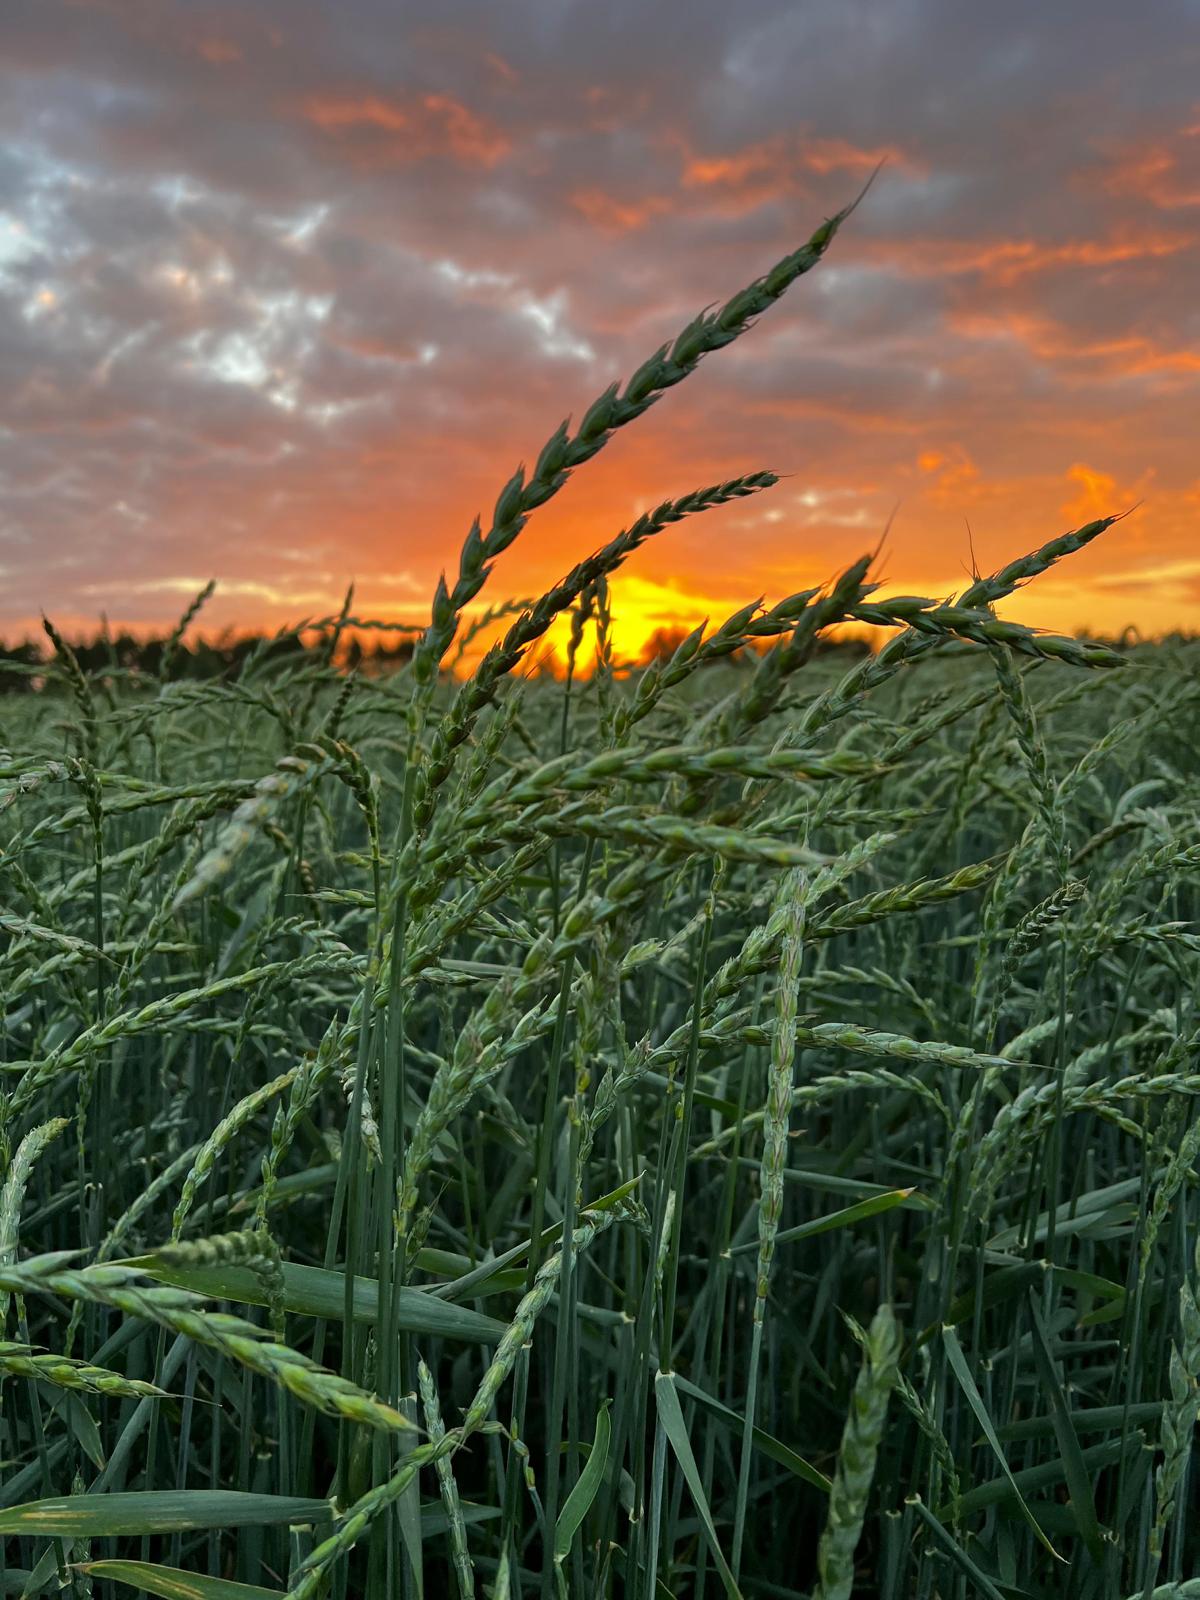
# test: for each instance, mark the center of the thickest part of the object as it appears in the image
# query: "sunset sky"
(287, 290)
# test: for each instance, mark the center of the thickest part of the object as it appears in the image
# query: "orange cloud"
(839, 155)
(1100, 495)
(957, 477)
(1132, 356)
(408, 130)
(1165, 172)
(751, 163)
(1003, 261)
(783, 155)
(747, 177)
(610, 215)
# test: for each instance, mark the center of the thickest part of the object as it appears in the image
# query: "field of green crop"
(721, 1127)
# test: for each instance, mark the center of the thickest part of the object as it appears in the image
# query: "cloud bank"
(287, 291)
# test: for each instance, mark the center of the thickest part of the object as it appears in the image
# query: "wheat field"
(719, 1126)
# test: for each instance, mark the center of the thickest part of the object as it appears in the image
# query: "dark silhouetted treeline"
(22, 666)
(663, 643)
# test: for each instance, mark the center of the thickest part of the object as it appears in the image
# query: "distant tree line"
(663, 643)
(22, 665)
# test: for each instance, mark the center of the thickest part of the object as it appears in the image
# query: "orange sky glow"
(286, 294)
